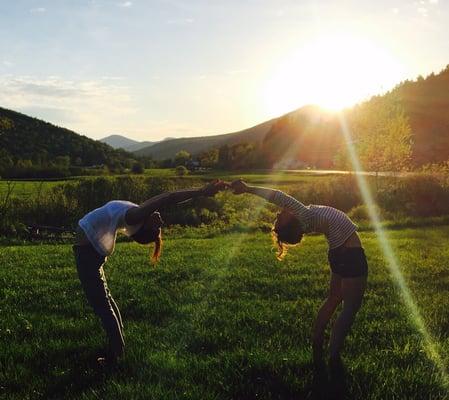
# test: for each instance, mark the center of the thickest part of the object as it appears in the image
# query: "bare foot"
(336, 366)
(107, 361)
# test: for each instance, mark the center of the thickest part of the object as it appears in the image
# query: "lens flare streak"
(430, 345)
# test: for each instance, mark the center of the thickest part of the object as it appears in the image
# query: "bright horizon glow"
(155, 69)
(331, 71)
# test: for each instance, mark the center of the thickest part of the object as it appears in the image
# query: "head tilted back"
(287, 231)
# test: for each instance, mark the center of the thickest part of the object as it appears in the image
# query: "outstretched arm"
(239, 187)
(276, 197)
(138, 214)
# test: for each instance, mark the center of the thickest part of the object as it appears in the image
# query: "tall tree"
(182, 157)
(382, 134)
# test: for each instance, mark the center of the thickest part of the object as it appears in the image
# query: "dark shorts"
(348, 262)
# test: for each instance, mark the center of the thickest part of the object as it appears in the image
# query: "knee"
(352, 307)
(333, 300)
(100, 304)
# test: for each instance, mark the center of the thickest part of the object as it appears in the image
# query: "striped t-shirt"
(335, 224)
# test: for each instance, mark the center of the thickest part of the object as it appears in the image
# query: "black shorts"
(348, 262)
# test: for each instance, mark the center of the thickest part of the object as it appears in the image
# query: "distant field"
(218, 318)
(25, 188)
(160, 172)
(22, 188)
(261, 177)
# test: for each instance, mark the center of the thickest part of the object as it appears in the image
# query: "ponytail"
(282, 247)
(157, 249)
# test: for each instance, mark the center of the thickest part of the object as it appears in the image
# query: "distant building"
(193, 165)
(290, 164)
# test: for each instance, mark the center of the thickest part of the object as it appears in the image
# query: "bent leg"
(352, 290)
(112, 302)
(324, 315)
(116, 312)
(97, 295)
(89, 264)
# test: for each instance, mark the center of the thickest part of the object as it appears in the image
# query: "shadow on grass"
(329, 385)
(71, 372)
(263, 382)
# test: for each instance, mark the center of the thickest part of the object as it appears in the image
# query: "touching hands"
(239, 186)
(212, 188)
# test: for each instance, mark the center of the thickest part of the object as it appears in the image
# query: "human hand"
(239, 186)
(212, 188)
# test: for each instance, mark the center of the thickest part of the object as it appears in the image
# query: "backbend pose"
(95, 241)
(346, 256)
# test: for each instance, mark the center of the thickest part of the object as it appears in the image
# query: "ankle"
(335, 361)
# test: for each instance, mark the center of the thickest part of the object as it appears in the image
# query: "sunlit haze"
(332, 71)
(152, 69)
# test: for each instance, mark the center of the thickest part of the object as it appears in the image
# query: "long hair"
(287, 231)
(146, 236)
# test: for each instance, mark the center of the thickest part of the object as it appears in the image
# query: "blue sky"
(152, 69)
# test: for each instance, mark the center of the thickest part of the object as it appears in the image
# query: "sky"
(150, 69)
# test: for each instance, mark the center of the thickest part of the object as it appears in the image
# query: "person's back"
(101, 225)
(333, 223)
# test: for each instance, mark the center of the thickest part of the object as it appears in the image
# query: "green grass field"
(218, 318)
(25, 188)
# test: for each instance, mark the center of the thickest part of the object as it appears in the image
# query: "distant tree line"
(378, 131)
(406, 128)
(31, 148)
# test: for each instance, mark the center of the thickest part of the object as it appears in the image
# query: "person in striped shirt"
(346, 257)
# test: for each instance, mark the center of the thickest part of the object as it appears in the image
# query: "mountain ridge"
(122, 142)
(424, 100)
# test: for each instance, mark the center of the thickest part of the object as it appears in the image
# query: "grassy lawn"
(218, 318)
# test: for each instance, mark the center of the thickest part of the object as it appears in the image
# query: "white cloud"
(86, 106)
(236, 71)
(280, 13)
(112, 78)
(433, 1)
(7, 63)
(395, 10)
(37, 10)
(422, 11)
(89, 107)
(181, 21)
(125, 4)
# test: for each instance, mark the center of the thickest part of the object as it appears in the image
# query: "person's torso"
(333, 223)
(101, 225)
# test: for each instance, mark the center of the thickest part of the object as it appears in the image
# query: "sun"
(332, 71)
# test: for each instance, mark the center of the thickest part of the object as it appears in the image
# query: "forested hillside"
(195, 145)
(426, 103)
(405, 128)
(29, 143)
